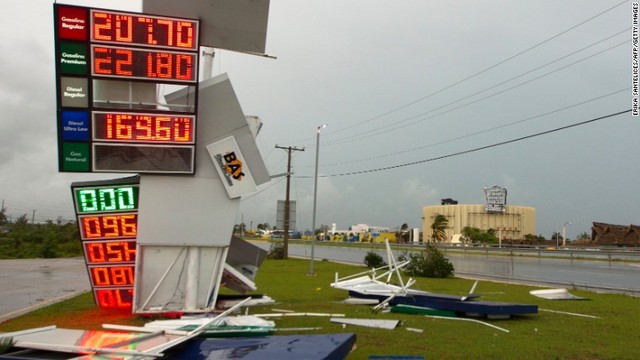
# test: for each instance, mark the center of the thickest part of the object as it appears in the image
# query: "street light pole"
(564, 233)
(315, 198)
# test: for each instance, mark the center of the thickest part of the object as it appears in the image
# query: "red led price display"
(114, 298)
(108, 226)
(143, 30)
(110, 251)
(151, 128)
(112, 275)
(143, 64)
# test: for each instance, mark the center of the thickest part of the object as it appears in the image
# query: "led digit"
(106, 299)
(169, 29)
(95, 253)
(163, 132)
(182, 129)
(123, 131)
(114, 251)
(184, 67)
(124, 29)
(110, 226)
(87, 200)
(129, 251)
(101, 26)
(124, 62)
(102, 61)
(125, 198)
(129, 224)
(122, 275)
(143, 124)
(107, 199)
(91, 227)
(185, 35)
(100, 276)
(124, 297)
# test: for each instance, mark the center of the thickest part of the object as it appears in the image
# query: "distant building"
(619, 235)
(364, 228)
(512, 223)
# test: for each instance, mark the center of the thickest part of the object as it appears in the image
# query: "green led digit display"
(106, 199)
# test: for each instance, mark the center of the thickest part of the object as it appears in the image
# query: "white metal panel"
(220, 116)
(226, 153)
(239, 25)
(184, 211)
(178, 278)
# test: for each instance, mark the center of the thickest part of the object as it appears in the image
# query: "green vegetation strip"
(547, 335)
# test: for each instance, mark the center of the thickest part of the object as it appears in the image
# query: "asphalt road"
(29, 284)
(601, 275)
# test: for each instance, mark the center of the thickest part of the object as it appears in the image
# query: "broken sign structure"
(373, 287)
(555, 294)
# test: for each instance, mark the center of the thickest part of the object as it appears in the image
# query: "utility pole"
(285, 247)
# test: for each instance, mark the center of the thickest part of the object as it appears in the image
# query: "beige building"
(513, 223)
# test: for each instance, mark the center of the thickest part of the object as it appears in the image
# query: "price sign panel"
(143, 64)
(115, 27)
(107, 217)
(100, 56)
(143, 127)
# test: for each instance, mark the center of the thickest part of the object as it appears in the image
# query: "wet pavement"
(28, 284)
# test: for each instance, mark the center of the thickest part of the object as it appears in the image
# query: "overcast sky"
(418, 83)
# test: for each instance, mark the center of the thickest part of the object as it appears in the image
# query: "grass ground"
(547, 335)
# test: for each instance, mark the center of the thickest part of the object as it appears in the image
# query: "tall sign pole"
(287, 208)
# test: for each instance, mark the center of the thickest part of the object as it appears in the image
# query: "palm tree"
(439, 226)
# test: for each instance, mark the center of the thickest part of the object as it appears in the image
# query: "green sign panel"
(75, 157)
(73, 58)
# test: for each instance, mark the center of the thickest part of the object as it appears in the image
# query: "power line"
(474, 149)
(481, 71)
(482, 131)
(396, 126)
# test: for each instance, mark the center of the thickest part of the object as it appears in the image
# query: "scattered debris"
(382, 324)
(467, 319)
(555, 294)
(415, 330)
(569, 313)
(225, 303)
(370, 286)
(358, 301)
(297, 314)
(420, 310)
(6, 343)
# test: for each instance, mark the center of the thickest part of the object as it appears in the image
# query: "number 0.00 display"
(106, 199)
